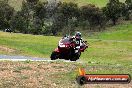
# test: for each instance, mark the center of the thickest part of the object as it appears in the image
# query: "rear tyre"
(54, 56)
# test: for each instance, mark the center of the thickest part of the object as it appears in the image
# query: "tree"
(18, 23)
(40, 10)
(21, 20)
(93, 15)
(58, 23)
(32, 2)
(127, 11)
(129, 4)
(64, 17)
(37, 26)
(31, 17)
(69, 10)
(113, 10)
(6, 13)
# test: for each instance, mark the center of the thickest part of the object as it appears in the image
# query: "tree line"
(52, 18)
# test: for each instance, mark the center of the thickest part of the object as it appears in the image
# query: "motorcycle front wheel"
(54, 56)
(75, 57)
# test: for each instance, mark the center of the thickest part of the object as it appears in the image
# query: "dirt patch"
(34, 75)
(6, 49)
(109, 85)
(44, 75)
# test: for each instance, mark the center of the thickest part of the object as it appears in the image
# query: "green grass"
(29, 44)
(110, 48)
(99, 3)
(119, 32)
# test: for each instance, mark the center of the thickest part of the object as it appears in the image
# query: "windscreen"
(67, 40)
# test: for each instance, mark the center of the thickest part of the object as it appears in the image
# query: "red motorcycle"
(67, 50)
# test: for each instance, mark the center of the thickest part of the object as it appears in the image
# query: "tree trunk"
(114, 21)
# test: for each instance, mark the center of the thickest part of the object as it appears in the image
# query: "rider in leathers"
(78, 40)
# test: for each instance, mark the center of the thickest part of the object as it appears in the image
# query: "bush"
(6, 13)
(93, 15)
(113, 10)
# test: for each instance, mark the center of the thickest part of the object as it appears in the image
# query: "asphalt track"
(25, 58)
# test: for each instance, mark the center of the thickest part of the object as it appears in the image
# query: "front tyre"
(54, 56)
(75, 57)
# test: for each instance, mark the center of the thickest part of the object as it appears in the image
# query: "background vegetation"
(55, 17)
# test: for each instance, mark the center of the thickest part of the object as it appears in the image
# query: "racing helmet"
(78, 35)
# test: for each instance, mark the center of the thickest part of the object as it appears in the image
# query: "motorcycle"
(67, 50)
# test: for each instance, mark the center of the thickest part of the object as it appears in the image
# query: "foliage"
(40, 10)
(113, 10)
(53, 17)
(66, 15)
(32, 1)
(93, 14)
(30, 18)
(127, 9)
(6, 13)
(129, 4)
(18, 23)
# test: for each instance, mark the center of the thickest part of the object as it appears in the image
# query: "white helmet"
(78, 35)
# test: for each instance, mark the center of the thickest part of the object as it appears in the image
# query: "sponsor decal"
(84, 78)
